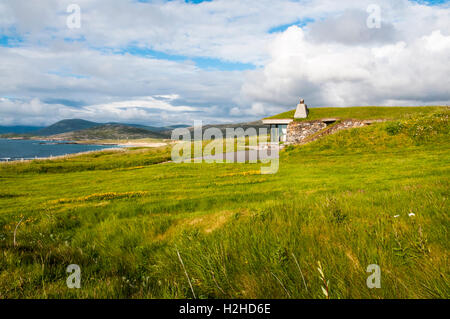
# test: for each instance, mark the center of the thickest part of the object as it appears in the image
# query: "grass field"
(360, 113)
(344, 201)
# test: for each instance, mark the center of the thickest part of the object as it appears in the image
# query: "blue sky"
(432, 2)
(10, 38)
(219, 61)
(283, 27)
(201, 62)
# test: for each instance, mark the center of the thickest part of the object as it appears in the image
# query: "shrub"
(424, 129)
(394, 128)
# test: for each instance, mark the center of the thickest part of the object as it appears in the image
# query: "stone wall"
(297, 132)
(303, 132)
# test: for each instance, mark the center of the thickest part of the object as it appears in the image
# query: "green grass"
(123, 219)
(92, 161)
(361, 113)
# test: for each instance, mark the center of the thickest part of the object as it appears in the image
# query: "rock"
(299, 131)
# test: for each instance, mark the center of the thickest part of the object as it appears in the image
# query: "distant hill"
(256, 125)
(78, 129)
(66, 126)
(222, 127)
(155, 128)
(109, 131)
(76, 125)
(135, 131)
(19, 129)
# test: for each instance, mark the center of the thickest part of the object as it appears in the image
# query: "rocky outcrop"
(304, 132)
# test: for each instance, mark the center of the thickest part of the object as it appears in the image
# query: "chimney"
(302, 110)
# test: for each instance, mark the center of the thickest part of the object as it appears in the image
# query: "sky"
(173, 62)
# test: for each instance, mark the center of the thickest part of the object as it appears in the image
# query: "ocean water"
(30, 149)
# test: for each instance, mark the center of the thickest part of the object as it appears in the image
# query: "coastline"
(50, 158)
(117, 147)
(136, 143)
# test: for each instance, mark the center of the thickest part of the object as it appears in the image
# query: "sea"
(15, 149)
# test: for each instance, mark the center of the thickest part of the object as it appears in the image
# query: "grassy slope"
(360, 113)
(332, 201)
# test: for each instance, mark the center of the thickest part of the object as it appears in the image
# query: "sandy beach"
(142, 144)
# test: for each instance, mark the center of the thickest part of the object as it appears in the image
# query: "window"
(278, 132)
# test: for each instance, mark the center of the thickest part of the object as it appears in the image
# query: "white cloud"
(335, 60)
(335, 74)
(142, 111)
(147, 103)
(350, 27)
(104, 81)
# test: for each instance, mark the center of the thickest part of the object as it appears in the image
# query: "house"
(296, 128)
(279, 127)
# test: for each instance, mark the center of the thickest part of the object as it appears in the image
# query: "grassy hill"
(372, 195)
(109, 131)
(85, 129)
(65, 126)
(361, 113)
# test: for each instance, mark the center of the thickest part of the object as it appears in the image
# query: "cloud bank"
(161, 62)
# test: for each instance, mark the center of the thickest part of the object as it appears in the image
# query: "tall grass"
(344, 201)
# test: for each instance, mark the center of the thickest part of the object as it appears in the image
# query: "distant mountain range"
(82, 129)
(19, 129)
(110, 131)
(65, 126)
(72, 125)
(78, 129)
